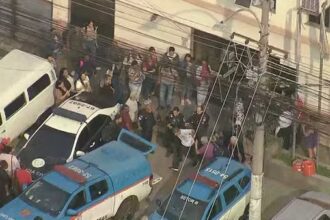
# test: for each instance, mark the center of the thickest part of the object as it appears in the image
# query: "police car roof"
(76, 110)
(209, 179)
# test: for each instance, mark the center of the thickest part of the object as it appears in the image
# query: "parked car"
(209, 199)
(72, 130)
(27, 84)
(106, 183)
(308, 206)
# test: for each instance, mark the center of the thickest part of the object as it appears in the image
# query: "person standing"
(207, 148)
(83, 84)
(12, 162)
(181, 142)
(187, 73)
(133, 108)
(135, 79)
(167, 77)
(174, 120)
(67, 79)
(149, 68)
(284, 128)
(23, 178)
(147, 120)
(60, 92)
(4, 183)
(311, 140)
(203, 74)
(90, 34)
(199, 120)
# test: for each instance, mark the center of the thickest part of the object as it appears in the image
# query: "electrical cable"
(187, 154)
(221, 109)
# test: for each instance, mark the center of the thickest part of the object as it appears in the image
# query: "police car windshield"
(49, 144)
(46, 197)
(194, 208)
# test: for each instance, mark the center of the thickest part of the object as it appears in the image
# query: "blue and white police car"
(206, 199)
(106, 183)
(73, 129)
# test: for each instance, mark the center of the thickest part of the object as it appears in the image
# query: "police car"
(71, 130)
(206, 200)
(108, 182)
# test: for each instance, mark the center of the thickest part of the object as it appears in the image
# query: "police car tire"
(127, 208)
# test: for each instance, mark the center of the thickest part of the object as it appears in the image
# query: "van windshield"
(51, 145)
(46, 197)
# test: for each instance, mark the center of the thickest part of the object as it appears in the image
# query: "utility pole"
(298, 58)
(257, 174)
(258, 149)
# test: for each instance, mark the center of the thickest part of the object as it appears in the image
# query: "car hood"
(39, 166)
(17, 209)
(298, 209)
(155, 216)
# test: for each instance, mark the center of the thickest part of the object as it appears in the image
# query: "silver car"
(308, 206)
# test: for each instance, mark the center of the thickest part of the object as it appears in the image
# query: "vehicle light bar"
(204, 180)
(71, 174)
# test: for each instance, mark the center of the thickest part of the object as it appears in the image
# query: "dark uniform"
(195, 119)
(172, 122)
(147, 122)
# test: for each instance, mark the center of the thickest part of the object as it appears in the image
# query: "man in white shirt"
(284, 128)
(12, 160)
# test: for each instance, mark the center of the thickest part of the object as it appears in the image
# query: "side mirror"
(71, 212)
(26, 136)
(80, 153)
(158, 202)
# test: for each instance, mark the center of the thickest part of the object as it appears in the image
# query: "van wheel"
(127, 209)
(245, 215)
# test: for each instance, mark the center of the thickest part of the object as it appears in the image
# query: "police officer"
(198, 118)
(174, 120)
(147, 120)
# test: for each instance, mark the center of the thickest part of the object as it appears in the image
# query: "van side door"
(100, 194)
(2, 125)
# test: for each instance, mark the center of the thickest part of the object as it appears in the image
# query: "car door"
(76, 205)
(95, 126)
(215, 210)
(231, 200)
(100, 200)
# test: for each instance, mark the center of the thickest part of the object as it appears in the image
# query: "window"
(83, 139)
(14, 106)
(0, 120)
(324, 217)
(38, 86)
(230, 194)
(244, 182)
(98, 189)
(316, 19)
(217, 208)
(78, 201)
(258, 3)
(244, 3)
(310, 6)
(97, 123)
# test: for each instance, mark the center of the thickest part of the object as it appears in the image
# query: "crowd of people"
(142, 82)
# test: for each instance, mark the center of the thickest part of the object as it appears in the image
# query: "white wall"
(203, 14)
(133, 25)
(61, 11)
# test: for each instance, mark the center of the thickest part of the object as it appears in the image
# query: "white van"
(26, 92)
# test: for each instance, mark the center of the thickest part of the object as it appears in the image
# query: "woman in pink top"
(207, 149)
